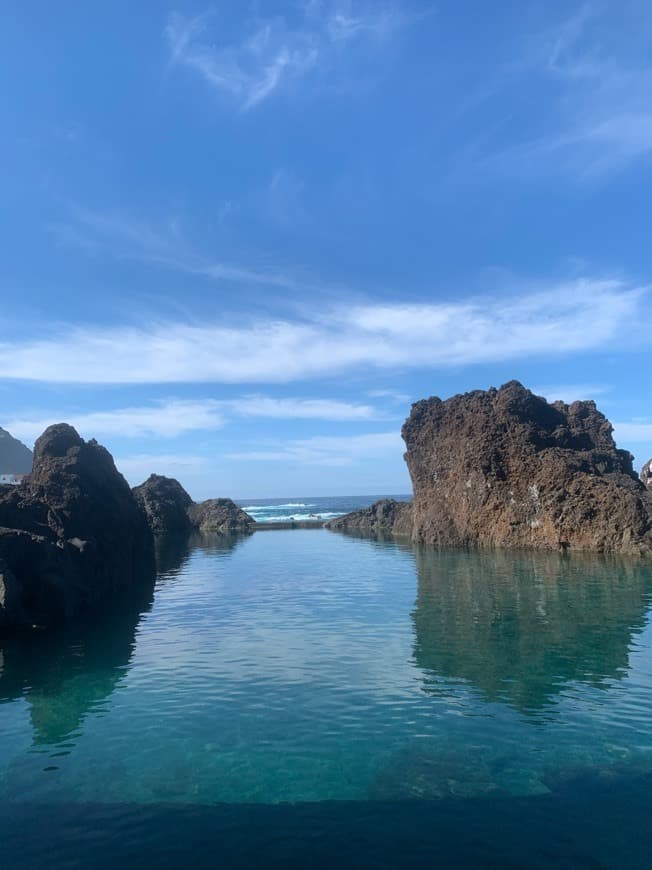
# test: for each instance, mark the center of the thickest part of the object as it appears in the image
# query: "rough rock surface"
(646, 474)
(72, 536)
(384, 517)
(165, 503)
(15, 458)
(503, 468)
(220, 515)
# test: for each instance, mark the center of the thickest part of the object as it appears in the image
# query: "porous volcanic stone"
(504, 468)
(71, 535)
(384, 517)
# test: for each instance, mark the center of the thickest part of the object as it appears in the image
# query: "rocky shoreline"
(500, 468)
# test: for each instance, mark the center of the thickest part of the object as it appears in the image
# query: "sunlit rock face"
(504, 468)
(72, 537)
(646, 474)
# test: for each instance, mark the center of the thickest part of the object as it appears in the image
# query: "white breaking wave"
(275, 507)
(283, 518)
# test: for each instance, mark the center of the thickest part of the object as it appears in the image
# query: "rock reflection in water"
(173, 551)
(520, 627)
(65, 674)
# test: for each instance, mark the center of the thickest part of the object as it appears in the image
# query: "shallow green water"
(306, 666)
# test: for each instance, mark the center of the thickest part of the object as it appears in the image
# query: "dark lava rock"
(503, 468)
(15, 458)
(165, 503)
(384, 517)
(220, 515)
(72, 536)
(646, 474)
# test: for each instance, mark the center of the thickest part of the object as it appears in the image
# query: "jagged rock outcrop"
(171, 512)
(646, 474)
(503, 468)
(384, 517)
(72, 536)
(15, 458)
(220, 515)
(165, 504)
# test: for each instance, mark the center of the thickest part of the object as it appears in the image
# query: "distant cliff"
(15, 458)
(504, 468)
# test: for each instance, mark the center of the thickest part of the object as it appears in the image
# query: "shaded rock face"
(384, 517)
(72, 536)
(15, 458)
(165, 504)
(503, 468)
(220, 515)
(646, 474)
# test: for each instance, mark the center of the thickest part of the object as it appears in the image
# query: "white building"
(13, 479)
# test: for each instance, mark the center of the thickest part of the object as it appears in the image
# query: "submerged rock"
(220, 515)
(165, 503)
(71, 535)
(504, 468)
(386, 516)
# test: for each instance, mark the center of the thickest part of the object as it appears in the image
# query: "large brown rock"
(165, 504)
(503, 468)
(384, 517)
(220, 515)
(72, 536)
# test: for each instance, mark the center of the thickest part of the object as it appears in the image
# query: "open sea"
(270, 510)
(303, 698)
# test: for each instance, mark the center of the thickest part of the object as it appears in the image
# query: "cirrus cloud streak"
(572, 317)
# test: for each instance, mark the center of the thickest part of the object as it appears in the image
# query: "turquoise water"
(297, 683)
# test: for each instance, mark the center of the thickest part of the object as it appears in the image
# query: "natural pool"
(303, 696)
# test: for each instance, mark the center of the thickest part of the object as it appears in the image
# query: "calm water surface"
(317, 698)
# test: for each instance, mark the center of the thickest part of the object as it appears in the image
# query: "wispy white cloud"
(275, 50)
(175, 417)
(574, 317)
(125, 238)
(570, 392)
(633, 432)
(139, 466)
(604, 106)
(327, 450)
(166, 419)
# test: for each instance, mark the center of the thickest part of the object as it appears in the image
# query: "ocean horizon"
(304, 508)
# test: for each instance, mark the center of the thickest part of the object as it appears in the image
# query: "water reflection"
(63, 675)
(172, 551)
(520, 627)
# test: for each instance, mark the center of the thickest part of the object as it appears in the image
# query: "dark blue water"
(269, 510)
(303, 698)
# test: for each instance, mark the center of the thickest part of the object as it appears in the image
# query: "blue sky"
(240, 239)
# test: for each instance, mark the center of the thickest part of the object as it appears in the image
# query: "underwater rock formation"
(504, 468)
(72, 536)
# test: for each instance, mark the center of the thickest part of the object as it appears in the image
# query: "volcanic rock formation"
(170, 511)
(72, 536)
(503, 468)
(165, 504)
(219, 515)
(384, 517)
